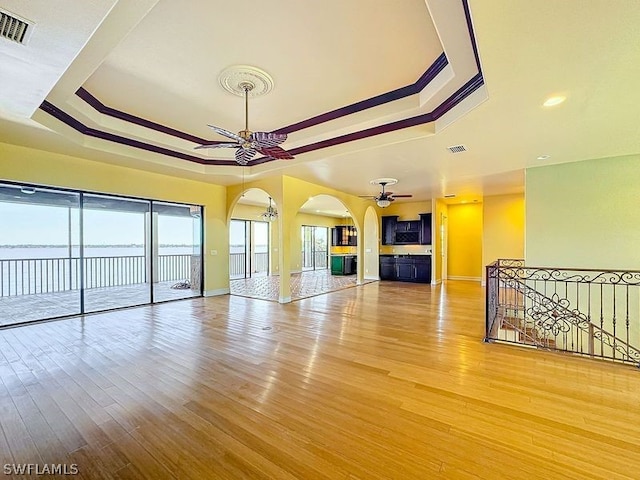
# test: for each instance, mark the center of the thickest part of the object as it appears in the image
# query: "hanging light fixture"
(270, 213)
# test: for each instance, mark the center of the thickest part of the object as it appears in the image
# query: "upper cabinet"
(425, 229)
(344, 236)
(389, 229)
(407, 232)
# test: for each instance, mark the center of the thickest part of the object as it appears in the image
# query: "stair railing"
(589, 312)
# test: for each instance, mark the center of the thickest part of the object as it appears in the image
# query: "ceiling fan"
(384, 198)
(248, 143)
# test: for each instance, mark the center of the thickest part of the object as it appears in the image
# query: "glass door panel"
(260, 248)
(314, 247)
(117, 252)
(177, 251)
(320, 245)
(238, 249)
(39, 264)
(307, 247)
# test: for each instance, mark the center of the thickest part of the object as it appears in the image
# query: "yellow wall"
(405, 211)
(464, 245)
(503, 227)
(584, 214)
(21, 164)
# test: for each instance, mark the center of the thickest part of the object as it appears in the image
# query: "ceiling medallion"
(234, 78)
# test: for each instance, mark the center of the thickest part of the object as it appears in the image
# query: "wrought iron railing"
(27, 276)
(589, 312)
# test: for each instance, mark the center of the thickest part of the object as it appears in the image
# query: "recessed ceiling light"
(543, 157)
(553, 101)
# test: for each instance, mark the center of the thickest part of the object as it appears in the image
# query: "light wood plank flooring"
(385, 380)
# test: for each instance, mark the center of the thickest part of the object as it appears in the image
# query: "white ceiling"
(159, 60)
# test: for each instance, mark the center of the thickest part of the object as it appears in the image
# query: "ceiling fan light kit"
(249, 81)
(384, 198)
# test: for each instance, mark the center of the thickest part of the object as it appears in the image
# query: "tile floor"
(303, 285)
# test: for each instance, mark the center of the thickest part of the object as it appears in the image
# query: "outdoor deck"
(38, 306)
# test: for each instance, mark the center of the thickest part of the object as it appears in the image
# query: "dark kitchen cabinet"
(387, 267)
(406, 268)
(344, 236)
(389, 229)
(405, 271)
(343, 264)
(423, 271)
(425, 229)
(406, 232)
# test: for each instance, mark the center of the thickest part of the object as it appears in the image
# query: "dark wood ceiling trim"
(413, 89)
(92, 132)
(127, 117)
(436, 67)
(463, 92)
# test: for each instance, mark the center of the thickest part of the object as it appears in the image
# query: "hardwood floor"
(386, 380)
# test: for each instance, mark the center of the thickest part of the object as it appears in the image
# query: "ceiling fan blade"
(217, 145)
(267, 139)
(227, 133)
(402, 196)
(367, 196)
(275, 152)
(243, 155)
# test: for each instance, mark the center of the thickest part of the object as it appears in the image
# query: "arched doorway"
(253, 239)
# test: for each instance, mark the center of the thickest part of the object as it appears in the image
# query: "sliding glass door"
(39, 254)
(314, 247)
(248, 249)
(259, 249)
(115, 249)
(176, 251)
(65, 253)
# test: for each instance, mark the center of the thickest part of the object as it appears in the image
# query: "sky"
(22, 224)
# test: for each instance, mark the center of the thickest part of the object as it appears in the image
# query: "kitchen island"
(343, 264)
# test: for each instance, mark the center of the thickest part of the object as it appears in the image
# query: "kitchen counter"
(343, 264)
(406, 267)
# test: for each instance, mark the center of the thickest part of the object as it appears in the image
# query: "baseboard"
(468, 279)
(215, 293)
(436, 282)
(284, 300)
(372, 278)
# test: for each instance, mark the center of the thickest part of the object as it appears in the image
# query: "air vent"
(13, 28)
(457, 148)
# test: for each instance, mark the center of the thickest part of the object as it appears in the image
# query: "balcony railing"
(238, 264)
(27, 276)
(588, 312)
(316, 260)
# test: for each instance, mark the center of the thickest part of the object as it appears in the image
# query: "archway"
(253, 245)
(324, 253)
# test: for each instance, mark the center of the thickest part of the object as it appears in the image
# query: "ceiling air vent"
(457, 148)
(13, 28)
